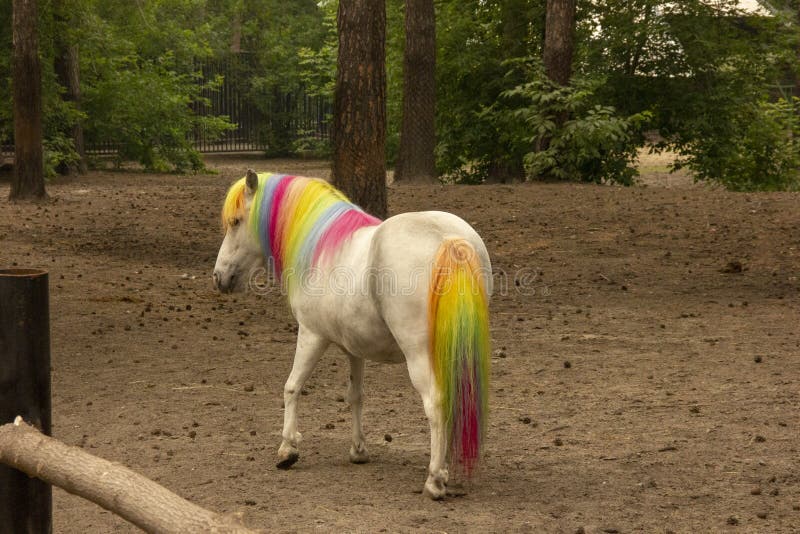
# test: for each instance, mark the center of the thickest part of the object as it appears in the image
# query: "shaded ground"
(638, 387)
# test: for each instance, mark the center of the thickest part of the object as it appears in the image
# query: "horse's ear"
(251, 181)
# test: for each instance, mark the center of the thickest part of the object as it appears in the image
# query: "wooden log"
(116, 488)
(25, 503)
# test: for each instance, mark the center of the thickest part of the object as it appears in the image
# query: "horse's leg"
(310, 347)
(421, 374)
(355, 391)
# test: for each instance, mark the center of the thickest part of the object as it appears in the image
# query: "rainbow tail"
(458, 319)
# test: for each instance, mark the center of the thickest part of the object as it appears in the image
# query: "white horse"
(414, 287)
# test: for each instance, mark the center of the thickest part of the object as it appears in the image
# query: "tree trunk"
(359, 109)
(68, 72)
(416, 161)
(515, 17)
(28, 179)
(559, 40)
(131, 496)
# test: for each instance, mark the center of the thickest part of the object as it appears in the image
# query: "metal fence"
(265, 120)
(269, 122)
(232, 100)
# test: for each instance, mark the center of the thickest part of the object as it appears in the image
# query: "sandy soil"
(641, 381)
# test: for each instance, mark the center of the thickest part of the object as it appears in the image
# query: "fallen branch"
(116, 488)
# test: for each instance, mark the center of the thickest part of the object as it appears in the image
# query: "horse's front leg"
(310, 347)
(355, 391)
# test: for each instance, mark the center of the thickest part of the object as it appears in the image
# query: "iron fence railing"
(268, 121)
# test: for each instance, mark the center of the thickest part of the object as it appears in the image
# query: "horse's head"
(240, 253)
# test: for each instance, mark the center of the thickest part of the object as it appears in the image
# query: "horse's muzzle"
(223, 284)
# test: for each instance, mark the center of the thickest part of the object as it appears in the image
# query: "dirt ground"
(646, 371)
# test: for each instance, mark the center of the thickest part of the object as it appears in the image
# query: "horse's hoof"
(359, 455)
(435, 488)
(288, 461)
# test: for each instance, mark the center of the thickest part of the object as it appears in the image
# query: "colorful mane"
(298, 220)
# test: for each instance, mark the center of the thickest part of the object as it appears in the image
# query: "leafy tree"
(704, 70)
(474, 39)
(67, 71)
(139, 61)
(698, 71)
(150, 130)
(279, 40)
(714, 81)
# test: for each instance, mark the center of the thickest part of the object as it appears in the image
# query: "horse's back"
(412, 239)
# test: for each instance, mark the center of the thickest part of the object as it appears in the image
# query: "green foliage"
(290, 49)
(700, 73)
(137, 79)
(59, 149)
(395, 46)
(310, 144)
(706, 71)
(139, 83)
(474, 39)
(317, 66)
(152, 130)
(761, 150)
(694, 71)
(594, 144)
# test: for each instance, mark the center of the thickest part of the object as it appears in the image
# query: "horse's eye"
(236, 222)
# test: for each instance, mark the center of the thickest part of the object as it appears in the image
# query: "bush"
(594, 143)
(561, 133)
(759, 150)
(309, 144)
(145, 109)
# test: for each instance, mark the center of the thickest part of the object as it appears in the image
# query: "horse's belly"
(352, 323)
(383, 350)
(365, 335)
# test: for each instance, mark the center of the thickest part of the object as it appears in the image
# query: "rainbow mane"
(298, 221)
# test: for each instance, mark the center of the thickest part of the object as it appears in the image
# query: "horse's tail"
(458, 319)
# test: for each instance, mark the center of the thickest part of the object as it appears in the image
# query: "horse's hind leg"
(419, 370)
(310, 347)
(355, 391)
